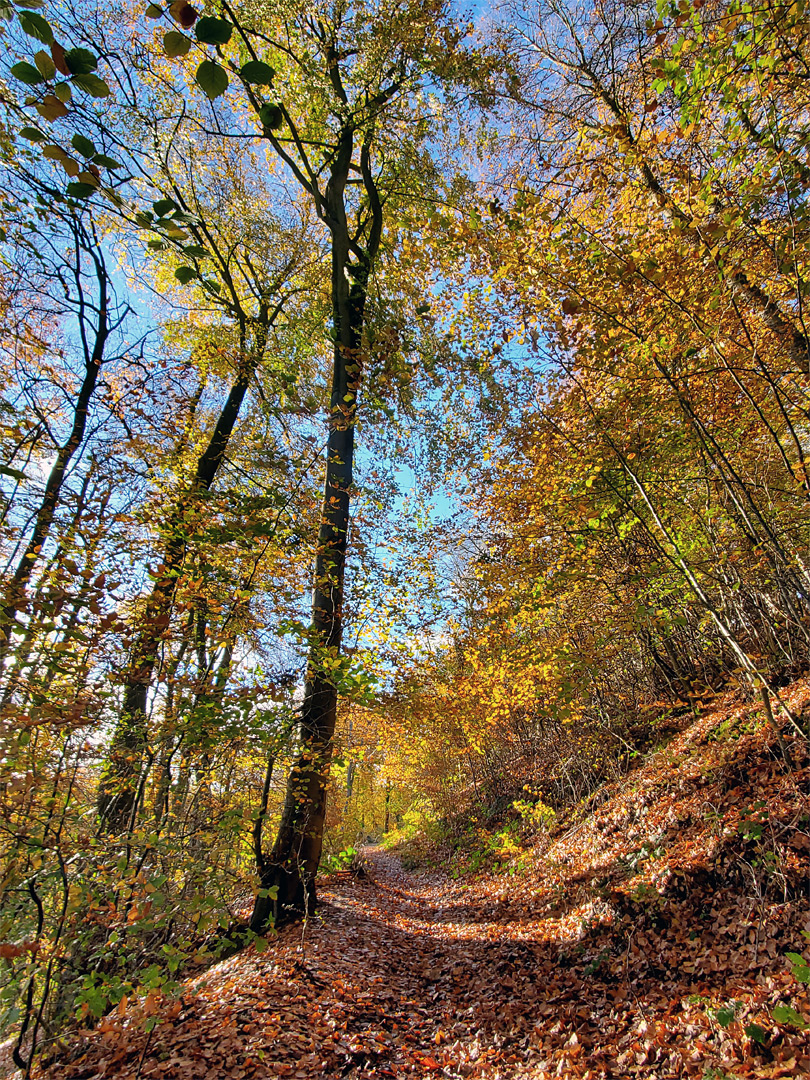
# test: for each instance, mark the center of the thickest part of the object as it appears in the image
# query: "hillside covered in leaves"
(656, 932)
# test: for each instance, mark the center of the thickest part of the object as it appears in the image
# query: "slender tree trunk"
(119, 782)
(752, 294)
(14, 598)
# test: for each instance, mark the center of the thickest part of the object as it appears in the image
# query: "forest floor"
(647, 938)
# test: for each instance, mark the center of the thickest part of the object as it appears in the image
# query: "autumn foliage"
(405, 433)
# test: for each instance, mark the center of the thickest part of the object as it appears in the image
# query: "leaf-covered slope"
(649, 938)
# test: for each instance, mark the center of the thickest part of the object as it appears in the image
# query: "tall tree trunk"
(119, 782)
(14, 597)
(290, 869)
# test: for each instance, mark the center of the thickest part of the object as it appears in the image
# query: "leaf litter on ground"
(647, 938)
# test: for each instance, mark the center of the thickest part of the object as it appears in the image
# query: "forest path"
(609, 954)
(399, 974)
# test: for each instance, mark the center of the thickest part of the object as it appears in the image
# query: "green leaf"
(154, 12)
(83, 145)
(63, 92)
(45, 65)
(162, 207)
(32, 134)
(31, 3)
(757, 1033)
(724, 1017)
(196, 251)
(86, 177)
(156, 245)
(185, 274)
(10, 1017)
(26, 73)
(92, 85)
(256, 71)
(80, 61)
(271, 117)
(784, 1014)
(106, 162)
(799, 967)
(78, 190)
(51, 108)
(175, 43)
(36, 27)
(211, 31)
(211, 79)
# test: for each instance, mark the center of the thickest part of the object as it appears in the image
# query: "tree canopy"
(402, 410)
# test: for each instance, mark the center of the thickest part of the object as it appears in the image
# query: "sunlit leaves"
(175, 44)
(212, 79)
(211, 31)
(256, 71)
(785, 1014)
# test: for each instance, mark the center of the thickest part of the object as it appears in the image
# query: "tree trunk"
(119, 781)
(14, 598)
(290, 869)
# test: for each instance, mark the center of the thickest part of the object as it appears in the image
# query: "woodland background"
(557, 253)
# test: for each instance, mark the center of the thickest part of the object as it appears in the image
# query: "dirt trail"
(648, 941)
(398, 974)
